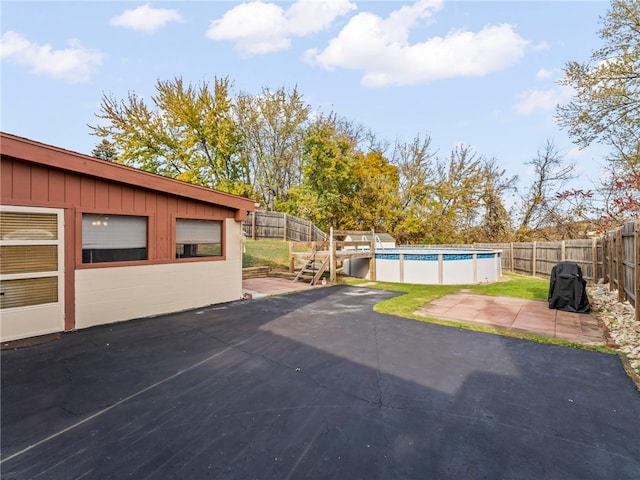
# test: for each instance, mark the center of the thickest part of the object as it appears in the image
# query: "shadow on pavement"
(312, 385)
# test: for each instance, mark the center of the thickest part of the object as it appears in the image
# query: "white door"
(31, 272)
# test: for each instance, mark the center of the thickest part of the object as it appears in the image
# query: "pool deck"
(532, 317)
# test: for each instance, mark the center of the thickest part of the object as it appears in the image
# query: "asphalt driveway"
(312, 385)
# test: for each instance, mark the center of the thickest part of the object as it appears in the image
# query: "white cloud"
(544, 74)
(146, 18)
(259, 28)
(74, 64)
(380, 48)
(542, 101)
(541, 47)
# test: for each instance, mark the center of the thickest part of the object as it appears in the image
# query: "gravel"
(620, 320)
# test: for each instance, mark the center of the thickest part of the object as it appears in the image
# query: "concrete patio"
(517, 315)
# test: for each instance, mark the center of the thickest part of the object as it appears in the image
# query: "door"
(31, 272)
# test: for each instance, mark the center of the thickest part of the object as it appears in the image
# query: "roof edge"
(44, 154)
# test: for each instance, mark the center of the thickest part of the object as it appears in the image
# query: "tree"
(375, 202)
(606, 104)
(329, 179)
(496, 220)
(415, 163)
(541, 207)
(273, 127)
(455, 196)
(105, 150)
(190, 134)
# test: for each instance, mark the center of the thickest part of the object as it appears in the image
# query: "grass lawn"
(518, 286)
(266, 253)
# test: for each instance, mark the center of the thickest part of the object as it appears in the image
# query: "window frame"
(199, 258)
(80, 240)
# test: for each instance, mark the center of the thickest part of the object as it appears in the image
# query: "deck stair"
(313, 267)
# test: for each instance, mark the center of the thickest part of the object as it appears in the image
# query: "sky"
(480, 73)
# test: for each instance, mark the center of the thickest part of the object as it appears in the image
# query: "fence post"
(563, 251)
(594, 260)
(284, 224)
(332, 258)
(253, 225)
(636, 269)
(611, 242)
(620, 264)
(372, 261)
(512, 258)
(534, 259)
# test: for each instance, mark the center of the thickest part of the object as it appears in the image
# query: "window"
(113, 238)
(29, 259)
(198, 238)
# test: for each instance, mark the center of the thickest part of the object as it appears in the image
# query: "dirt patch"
(30, 342)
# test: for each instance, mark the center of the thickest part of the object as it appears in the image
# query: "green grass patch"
(519, 286)
(405, 305)
(266, 253)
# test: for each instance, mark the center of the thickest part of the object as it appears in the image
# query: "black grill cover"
(567, 289)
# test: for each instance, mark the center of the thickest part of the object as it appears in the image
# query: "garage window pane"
(28, 258)
(28, 291)
(28, 226)
(198, 238)
(113, 238)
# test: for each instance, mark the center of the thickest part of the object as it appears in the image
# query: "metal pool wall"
(430, 266)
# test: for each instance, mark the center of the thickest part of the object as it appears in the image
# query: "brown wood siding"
(37, 186)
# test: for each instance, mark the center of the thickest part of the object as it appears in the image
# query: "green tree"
(329, 179)
(189, 133)
(105, 150)
(375, 203)
(605, 107)
(606, 103)
(496, 225)
(455, 196)
(273, 127)
(415, 162)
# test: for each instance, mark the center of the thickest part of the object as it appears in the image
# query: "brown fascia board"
(35, 152)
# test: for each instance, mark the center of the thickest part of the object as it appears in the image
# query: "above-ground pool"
(430, 266)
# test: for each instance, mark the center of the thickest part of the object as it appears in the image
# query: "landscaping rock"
(620, 320)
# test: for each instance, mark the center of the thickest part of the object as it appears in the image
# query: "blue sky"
(474, 72)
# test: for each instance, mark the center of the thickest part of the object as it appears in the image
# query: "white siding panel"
(31, 321)
(107, 295)
(234, 242)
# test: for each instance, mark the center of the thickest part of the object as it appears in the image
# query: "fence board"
(628, 261)
(263, 225)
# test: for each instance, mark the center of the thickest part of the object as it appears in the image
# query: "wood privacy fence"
(261, 225)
